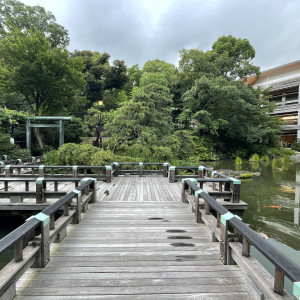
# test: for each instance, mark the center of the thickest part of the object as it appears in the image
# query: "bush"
(254, 158)
(265, 158)
(18, 153)
(296, 146)
(51, 158)
(279, 152)
(276, 163)
(246, 175)
(238, 160)
(102, 158)
(5, 145)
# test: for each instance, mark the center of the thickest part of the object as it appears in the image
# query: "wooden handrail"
(282, 263)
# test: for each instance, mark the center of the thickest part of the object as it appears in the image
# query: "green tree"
(47, 78)
(30, 18)
(234, 115)
(100, 76)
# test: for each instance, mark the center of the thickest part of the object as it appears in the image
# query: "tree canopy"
(15, 14)
(47, 77)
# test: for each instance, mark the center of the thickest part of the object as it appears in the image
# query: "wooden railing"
(31, 241)
(235, 238)
(99, 172)
(26, 160)
(40, 192)
(222, 186)
(135, 168)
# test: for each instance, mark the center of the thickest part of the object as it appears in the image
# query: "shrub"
(5, 144)
(296, 146)
(278, 152)
(246, 175)
(18, 153)
(265, 158)
(238, 160)
(102, 158)
(51, 158)
(254, 158)
(276, 163)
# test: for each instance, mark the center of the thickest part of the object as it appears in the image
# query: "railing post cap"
(83, 180)
(74, 167)
(39, 180)
(201, 168)
(108, 167)
(19, 160)
(234, 180)
(116, 163)
(141, 164)
(165, 164)
(41, 167)
(228, 216)
(77, 192)
(191, 179)
(33, 157)
(41, 217)
(172, 168)
(2, 163)
(7, 167)
(296, 289)
(198, 192)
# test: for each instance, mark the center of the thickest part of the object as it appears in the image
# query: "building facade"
(284, 85)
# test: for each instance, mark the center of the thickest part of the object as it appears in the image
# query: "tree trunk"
(38, 137)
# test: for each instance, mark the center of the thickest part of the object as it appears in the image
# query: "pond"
(273, 200)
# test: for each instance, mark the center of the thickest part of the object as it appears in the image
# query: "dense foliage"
(198, 111)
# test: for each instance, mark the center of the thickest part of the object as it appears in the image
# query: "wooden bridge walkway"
(138, 241)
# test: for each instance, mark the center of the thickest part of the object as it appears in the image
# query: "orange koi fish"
(273, 206)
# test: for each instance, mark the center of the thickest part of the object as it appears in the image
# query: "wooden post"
(78, 207)
(172, 174)
(116, 173)
(7, 170)
(165, 169)
(236, 190)
(18, 250)
(94, 195)
(2, 169)
(52, 222)
(40, 197)
(183, 197)
(224, 236)
(41, 170)
(141, 166)
(201, 171)
(75, 171)
(246, 247)
(278, 282)
(44, 257)
(108, 173)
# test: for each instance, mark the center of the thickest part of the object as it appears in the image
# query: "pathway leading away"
(138, 241)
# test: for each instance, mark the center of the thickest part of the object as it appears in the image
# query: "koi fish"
(273, 206)
(263, 235)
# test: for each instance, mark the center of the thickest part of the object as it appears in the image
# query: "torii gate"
(60, 125)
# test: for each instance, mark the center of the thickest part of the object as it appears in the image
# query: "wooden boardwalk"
(138, 241)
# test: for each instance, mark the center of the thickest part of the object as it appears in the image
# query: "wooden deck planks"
(133, 244)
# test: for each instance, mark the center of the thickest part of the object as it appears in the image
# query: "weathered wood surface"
(138, 242)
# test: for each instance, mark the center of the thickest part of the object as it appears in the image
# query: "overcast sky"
(141, 30)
